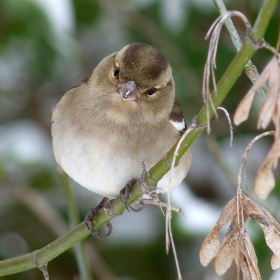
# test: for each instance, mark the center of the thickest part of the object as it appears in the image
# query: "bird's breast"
(105, 158)
(102, 143)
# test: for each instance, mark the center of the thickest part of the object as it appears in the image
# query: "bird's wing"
(177, 118)
(82, 82)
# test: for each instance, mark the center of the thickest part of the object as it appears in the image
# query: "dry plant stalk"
(210, 65)
(264, 181)
(230, 125)
(168, 230)
(237, 244)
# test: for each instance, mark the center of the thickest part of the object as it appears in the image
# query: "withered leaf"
(244, 106)
(252, 209)
(211, 244)
(210, 247)
(264, 181)
(250, 249)
(275, 262)
(242, 111)
(258, 213)
(245, 270)
(272, 237)
(226, 253)
(267, 110)
(227, 214)
(270, 226)
(246, 249)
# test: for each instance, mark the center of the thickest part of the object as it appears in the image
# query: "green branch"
(74, 221)
(250, 69)
(80, 232)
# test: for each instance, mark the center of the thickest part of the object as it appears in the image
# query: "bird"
(123, 113)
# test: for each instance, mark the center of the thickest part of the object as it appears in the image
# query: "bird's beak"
(128, 90)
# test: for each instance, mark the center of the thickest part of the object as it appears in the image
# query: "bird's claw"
(148, 189)
(91, 215)
(124, 196)
(140, 205)
(109, 229)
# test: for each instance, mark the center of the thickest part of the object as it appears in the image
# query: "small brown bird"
(122, 113)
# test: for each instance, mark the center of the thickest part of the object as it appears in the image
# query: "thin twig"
(230, 125)
(242, 161)
(215, 31)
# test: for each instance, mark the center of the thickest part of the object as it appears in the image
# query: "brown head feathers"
(143, 63)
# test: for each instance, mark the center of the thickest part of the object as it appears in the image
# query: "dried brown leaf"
(264, 181)
(270, 226)
(251, 250)
(211, 244)
(238, 258)
(227, 215)
(251, 208)
(249, 253)
(272, 237)
(249, 273)
(267, 109)
(246, 247)
(272, 72)
(210, 247)
(226, 254)
(245, 270)
(258, 213)
(242, 111)
(275, 262)
(254, 271)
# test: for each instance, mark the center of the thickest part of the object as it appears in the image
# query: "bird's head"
(142, 79)
(141, 71)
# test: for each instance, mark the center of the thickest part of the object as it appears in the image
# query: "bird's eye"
(152, 91)
(116, 72)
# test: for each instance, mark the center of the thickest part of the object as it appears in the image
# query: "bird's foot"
(124, 196)
(163, 204)
(149, 189)
(91, 215)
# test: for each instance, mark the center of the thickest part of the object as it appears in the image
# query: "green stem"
(84, 270)
(64, 242)
(250, 69)
(80, 232)
(229, 26)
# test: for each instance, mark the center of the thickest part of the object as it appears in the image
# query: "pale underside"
(105, 161)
